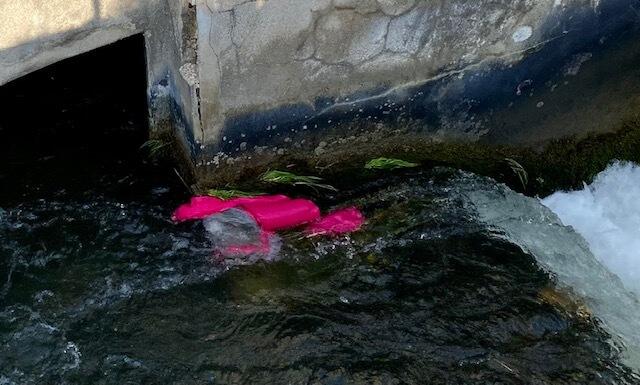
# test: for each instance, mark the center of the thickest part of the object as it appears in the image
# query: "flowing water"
(607, 214)
(454, 280)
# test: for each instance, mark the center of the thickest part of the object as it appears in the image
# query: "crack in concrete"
(236, 46)
(310, 38)
(451, 73)
(410, 51)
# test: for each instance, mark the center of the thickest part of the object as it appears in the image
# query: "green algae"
(561, 164)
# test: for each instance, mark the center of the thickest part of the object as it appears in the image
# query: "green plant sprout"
(388, 164)
(284, 177)
(520, 172)
(230, 194)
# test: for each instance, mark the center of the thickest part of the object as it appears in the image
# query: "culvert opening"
(70, 124)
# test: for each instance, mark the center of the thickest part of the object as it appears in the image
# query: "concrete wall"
(263, 54)
(35, 33)
(246, 82)
(311, 78)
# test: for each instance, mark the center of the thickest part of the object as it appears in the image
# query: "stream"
(455, 279)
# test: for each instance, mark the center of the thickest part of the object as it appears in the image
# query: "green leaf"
(520, 172)
(285, 177)
(230, 194)
(155, 147)
(388, 164)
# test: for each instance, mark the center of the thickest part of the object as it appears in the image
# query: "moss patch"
(166, 149)
(560, 164)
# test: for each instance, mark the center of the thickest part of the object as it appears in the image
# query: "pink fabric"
(235, 251)
(338, 222)
(201, 207)
(282, 215)
(273, 213)
(260, 199)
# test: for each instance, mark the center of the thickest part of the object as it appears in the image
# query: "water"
(99, 287)
(236, 238)
(563, 253)
(607, 215)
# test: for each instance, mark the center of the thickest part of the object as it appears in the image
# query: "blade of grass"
(230, 194)
(388, 164)
(520, 172)
(285, 177)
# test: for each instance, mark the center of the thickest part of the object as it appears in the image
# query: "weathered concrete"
(265, 54)
(248, 81)
(34, 34)
(279, 77)
(274, 69)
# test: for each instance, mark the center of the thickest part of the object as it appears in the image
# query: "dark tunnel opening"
(71, 123)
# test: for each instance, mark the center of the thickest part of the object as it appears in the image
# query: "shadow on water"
(71, 126)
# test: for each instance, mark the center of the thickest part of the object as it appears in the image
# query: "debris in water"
(155, 147)
(201, 207)
(236, 235)
(338, 222)
(520, 172)
(285, 177)
(283, 214)
(230, 194)
(388, 164)
(243, 227)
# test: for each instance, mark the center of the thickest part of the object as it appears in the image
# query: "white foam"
(561, 251)
(607, 215)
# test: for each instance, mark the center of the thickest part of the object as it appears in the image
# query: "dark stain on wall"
(584, 77)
